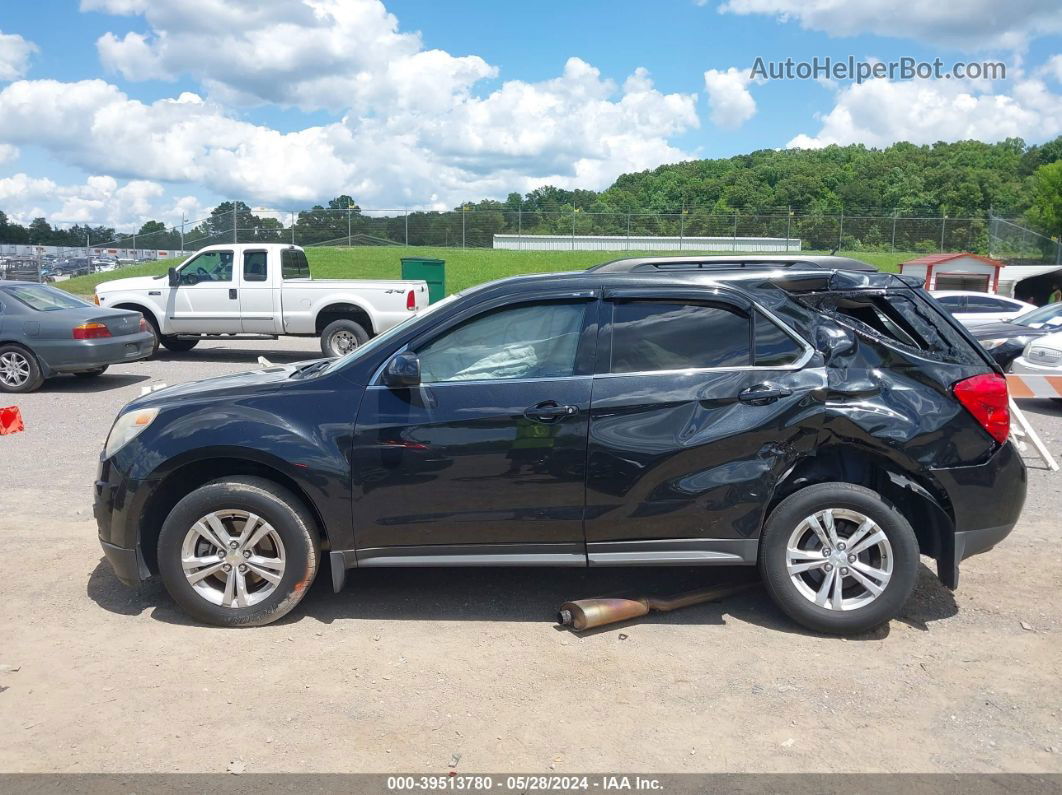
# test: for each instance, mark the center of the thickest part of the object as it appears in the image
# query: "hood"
(241, 384)
(131, 283)
(990, 331)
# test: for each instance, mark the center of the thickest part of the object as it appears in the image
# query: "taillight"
(143, 324)
(985, 397)
(95, 299)
(91, 331)
(411, 301)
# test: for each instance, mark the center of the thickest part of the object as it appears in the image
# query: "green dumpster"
(432, 271)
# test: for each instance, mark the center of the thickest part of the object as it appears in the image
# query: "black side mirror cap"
(174, 279)
(403, 371)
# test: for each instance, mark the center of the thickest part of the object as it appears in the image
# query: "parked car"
(973, 308)
(23, 269)
(1006, 340)
(45, 332)
(1042, 356)
(808, 415)
(262, 290)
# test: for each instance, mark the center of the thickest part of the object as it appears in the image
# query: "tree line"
(803, 192)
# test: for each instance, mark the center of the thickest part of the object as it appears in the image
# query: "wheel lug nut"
(221, 553)
(826, 552)
(233, 545)
(226, 567)
(841, 546)
(844, 572)
(243, 567)
(828, 567)
(247, 553)
(851, 558)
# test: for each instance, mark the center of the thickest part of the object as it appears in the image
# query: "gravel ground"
(424, 670)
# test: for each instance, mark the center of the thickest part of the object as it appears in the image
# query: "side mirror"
(174, 278)
(403, 371)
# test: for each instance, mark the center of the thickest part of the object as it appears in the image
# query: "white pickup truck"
(262, 290)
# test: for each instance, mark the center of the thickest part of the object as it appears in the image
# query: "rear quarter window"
(901, 318)
(293, 264)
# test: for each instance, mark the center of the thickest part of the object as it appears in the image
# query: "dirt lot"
(416, 670)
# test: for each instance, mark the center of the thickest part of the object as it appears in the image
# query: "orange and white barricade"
(1032, 386)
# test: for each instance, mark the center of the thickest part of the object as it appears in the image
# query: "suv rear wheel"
(838, 559)
(238, 552)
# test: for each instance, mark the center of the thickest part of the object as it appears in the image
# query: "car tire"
(287, 550)
(153, 327)
(340, 337)
(19, 370)
(177, 345)
(795, 563)
(91, 373)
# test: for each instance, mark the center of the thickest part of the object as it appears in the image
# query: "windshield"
(46, 299)
(1050, 315)
(385, 337)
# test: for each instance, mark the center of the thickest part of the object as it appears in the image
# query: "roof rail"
(732, 262)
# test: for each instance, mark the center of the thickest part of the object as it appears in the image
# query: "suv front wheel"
(238, 552)
(838, 559)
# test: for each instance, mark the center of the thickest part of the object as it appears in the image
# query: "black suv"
(810, 415)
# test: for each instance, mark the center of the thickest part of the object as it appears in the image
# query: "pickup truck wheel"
(240, 551)
(19, 371)
(340, 337)
(178, 345)
(838, 559)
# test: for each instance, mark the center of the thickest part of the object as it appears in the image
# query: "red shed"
(955, 271)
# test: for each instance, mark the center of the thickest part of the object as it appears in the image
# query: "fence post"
(519, 221)
(892, 246)
(682, 228)
(464, 208)
(628, 231)
(788, 224)
(182, 233)
(234, 239)
(348, 224)
(406, 219)
(573, 228)
(733, 240)
(943, 222)
(840, 230)
(293, 227)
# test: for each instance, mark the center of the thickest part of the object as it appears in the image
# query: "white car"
(1042, 355)
(262, 290)
(973, 308)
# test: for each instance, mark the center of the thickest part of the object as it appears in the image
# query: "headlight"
(990, 344)
(126, 428)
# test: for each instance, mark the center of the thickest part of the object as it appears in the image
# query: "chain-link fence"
(476, 227)
(1019, 245)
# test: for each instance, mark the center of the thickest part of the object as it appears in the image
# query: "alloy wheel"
(233, 558)
(839, 559)
(14, 369)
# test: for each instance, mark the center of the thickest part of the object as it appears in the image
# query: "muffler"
(591, 613)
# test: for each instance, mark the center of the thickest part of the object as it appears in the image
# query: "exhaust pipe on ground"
(591, 613)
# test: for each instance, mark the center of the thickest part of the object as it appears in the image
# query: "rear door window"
(650, 336)
(773, 346)
(255, 266)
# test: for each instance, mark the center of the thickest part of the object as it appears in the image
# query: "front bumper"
(72, 356)
(1021, 365)
(117, 506)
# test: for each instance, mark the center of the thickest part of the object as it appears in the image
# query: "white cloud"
(98, 200)
(881, 112)
(965, 24)
(575, 130)
(8, 153)
(730, 102)
(15, 53)
(334, 54)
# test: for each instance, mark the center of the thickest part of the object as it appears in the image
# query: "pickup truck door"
(486, 459)
(259, 300)
(206, 300)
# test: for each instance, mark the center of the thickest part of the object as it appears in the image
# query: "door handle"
(549, 411)
(763, 394)
(232, 294)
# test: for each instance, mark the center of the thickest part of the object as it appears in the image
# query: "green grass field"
(464, 267)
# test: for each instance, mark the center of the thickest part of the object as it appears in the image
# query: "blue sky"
(284, 103)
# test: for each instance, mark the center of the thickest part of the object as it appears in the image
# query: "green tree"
(1046, 209)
